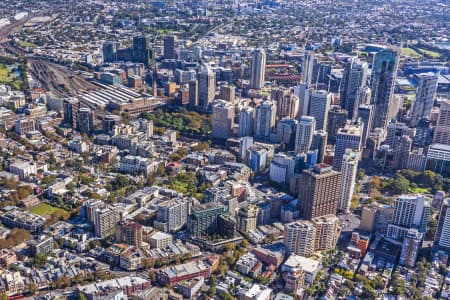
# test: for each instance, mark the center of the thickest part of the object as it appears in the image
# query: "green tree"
(443, 269)
(32, 288)
(81, 296)
(212, 291)
(361, 174)
(397, 185)
(161, 171)
(398, 285)
(226, 296)
(369, 292)
(24, 191)
(39, 260)
(425, 179)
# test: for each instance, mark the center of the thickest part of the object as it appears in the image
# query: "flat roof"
(442, 147)
(308, 265)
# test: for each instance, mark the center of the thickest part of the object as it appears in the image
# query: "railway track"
(58, 80)
(52, 77)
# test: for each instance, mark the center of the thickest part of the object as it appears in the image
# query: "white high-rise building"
(442, 237)
(265, 119)
(304, 133)
(348, 137)
(327, 232)
(222, 119)
(287, 103)
(302, 92)
(409, 211)
(425, 95)
(442, 130)
(299, 238)
(171, 215)
(319, 105)
(307, 67)
(384, 72)
(349, 169)
(282, 168)
(206, 88)
(105, 220)
(258, 69)
(246, 121)
(355, 77)
(412, 244)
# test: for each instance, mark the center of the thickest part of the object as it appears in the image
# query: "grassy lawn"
(7, 78)
(361, 53)
(25, 44)
(4, 73)
(419, 190)
(45, 209)
(410, 52)
(432, 54)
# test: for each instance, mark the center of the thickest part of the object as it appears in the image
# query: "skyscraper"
(304, 133)
(363, 96)
(319, 143)
(171, 215)
(169, 47)
(349, 169)
(109, 51)
(299, 238)
(307, 67)
(245, 143)
(85, 120)
(203, 219)
(287, 103)
(105, 220)
(206, 88)
(246, 218)
(130, 233)
(193, 94)
(412, 244)
(319, 191)
(401, 153)
(246, 121)
(70, 107)
(258, 69)
(337, 118)
(302, 91)
(355, 76)
(327, 232)
(265, 119)
(442, 130)
(141, 50)
(222, 119)
(425, 95)
(365, 114)
(424, 133)
(384, 72)
(286, 129)
(282, 168)
(348, 137)
(409, 212)
(228, 93)
(442, 237)
(319, 105)
(394, 133)
(258, 157)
